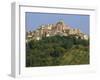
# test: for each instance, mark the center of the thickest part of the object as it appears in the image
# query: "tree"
(54, 50)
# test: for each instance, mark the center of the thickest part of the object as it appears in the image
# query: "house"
(60, 28)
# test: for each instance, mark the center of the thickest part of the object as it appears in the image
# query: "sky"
(34, 20)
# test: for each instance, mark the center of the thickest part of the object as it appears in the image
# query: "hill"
(57, 50)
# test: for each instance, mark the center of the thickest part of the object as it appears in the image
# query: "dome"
(60, 22)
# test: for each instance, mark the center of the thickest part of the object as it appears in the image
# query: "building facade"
(54, 29)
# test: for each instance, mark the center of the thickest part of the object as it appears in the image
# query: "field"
(57, 50)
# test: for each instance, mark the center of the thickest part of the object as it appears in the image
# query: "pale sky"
(34, 20)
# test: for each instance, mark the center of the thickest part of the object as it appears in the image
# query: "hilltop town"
(59, 28)
(56, 45)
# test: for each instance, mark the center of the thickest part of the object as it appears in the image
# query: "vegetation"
(57, 50)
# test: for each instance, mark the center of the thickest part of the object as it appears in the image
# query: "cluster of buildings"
(60, 28)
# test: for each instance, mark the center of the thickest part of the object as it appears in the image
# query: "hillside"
(57, 50)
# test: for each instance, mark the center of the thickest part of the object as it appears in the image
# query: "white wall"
(5, 40)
